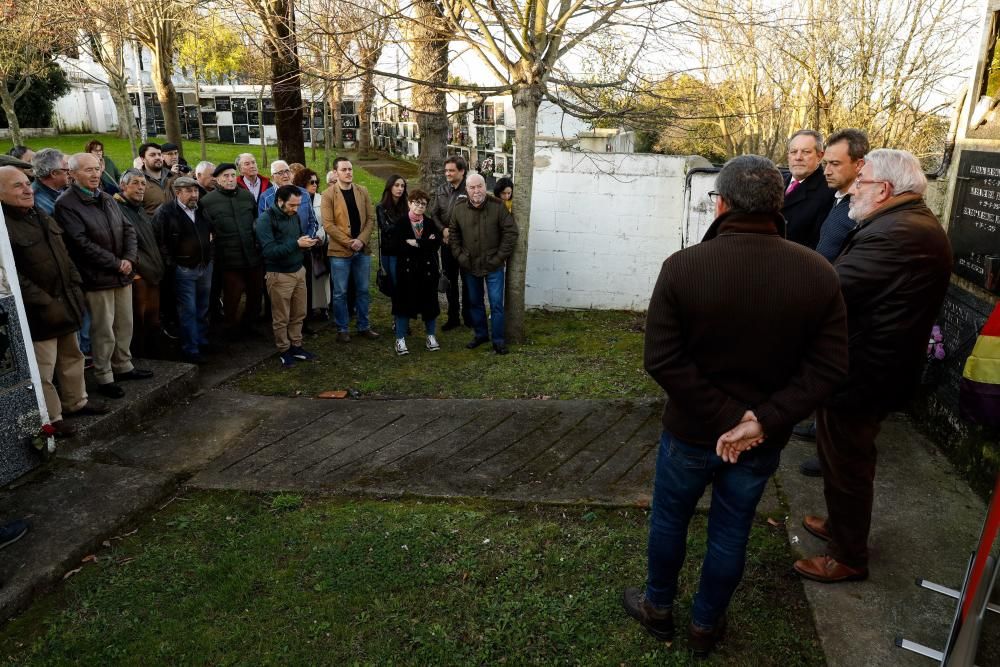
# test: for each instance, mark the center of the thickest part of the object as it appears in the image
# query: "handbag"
(383, 280)
(443, 284)
(320, 263)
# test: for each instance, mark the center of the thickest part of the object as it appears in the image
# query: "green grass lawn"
(120, 152)
(568, 355)
(227, 578)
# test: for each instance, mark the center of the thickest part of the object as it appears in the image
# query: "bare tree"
(30, 32)
(157, 24)
(428, 39)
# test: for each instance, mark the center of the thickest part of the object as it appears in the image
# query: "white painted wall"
(601, 226)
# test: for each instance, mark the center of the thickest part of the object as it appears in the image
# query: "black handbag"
(318, 257)
(383, 280)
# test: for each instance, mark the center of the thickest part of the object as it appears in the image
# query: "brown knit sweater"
(745, 320)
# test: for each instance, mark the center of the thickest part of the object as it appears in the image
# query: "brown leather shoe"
(63, 429)
(817, 526)
(658, 622)
(369, 334)
(827, 570)
(343, 337)
(702, 641)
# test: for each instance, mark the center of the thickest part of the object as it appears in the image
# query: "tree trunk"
(364, 112)
(260, 125)
(7, 102)
(163, 69)
(312, 128)
(327, 138)
(118, 88)
(286, 84)
(335, 100)
(526, 102)
(430, 63)
(201, 125)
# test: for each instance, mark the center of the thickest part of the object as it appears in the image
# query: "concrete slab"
(926, 522)
(72, 508)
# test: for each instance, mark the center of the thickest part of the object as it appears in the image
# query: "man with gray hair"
(203, 173)
(894, 271)
(743, 353)
(103, 245)
(807, 196)
(51, 178)
(148, 267)
(249, 179)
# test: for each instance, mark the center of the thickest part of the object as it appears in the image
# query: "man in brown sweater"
(747, 334)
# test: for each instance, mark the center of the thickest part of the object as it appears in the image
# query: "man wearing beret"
(233, 212)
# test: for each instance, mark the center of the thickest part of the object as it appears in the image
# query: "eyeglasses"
(283, 171)
(858, 182)
(712, 196)
(418, 203)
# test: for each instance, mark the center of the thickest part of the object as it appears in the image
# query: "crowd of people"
(139, 263)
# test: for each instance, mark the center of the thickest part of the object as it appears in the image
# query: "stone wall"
(601, 226)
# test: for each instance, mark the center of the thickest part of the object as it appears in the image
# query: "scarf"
(417, 221)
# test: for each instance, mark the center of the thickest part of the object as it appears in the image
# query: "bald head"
(86, 169)
(15, 188)
(475, 186)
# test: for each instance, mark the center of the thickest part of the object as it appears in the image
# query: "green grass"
(228, 578)
(568, 355)
(120, 152)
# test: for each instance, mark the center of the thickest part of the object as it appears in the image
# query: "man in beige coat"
(348, 218)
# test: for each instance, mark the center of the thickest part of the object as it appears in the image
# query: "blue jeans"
(389, 262)
(403, 323)
(356, 268)
(682, 473)
(477, 307)
(193, 287)
(83, 335)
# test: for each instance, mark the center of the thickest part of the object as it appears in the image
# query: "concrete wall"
(601, 226)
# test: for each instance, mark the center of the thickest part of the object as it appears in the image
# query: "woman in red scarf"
(417, 272)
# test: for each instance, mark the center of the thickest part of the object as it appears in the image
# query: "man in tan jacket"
(348, 218)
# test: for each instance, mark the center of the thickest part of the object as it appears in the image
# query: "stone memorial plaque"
(975, 219)
(962, 316)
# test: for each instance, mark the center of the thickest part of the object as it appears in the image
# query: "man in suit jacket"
(808, 198)
(348, 218)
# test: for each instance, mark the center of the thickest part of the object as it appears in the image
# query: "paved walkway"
(926, 519)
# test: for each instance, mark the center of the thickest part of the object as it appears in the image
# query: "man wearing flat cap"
(232, 212)
(185, 235)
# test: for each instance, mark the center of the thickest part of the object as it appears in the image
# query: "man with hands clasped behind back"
(743, 354)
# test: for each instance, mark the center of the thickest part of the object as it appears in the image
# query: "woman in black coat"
(415, 292)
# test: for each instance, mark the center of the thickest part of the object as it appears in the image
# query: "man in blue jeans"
(743, 352)
(482, 235)
(185, 236)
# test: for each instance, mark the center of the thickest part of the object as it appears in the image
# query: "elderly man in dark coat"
(53, 300)
(894, 271)
(743, 353)
(808, 198)
(103, 245)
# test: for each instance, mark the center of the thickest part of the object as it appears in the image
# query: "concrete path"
(925, 525)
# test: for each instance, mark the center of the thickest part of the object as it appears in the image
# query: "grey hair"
(900, 168)
(331, 177)
(202, 166)
(74, 160)
(751, 184)
(817, 137)
(46, 161)
(243, 156)
(130, 175)
(472, 177)
(276, 164)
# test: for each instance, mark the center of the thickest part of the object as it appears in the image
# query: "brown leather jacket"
(894, 271)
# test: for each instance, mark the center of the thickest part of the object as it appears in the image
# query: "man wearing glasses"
(894, 271)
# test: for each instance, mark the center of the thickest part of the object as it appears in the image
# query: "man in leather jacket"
(894, 271)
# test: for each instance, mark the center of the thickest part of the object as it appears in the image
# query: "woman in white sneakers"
(417, 272)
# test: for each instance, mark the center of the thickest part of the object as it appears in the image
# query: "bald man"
(102, 243)
(53, 300)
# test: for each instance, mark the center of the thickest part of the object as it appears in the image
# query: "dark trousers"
(456, 305)
(236, 283)
(145, 319)
(847, 455)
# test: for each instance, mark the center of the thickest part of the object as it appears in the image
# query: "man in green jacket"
(282, 243)
(233, 212)
(482, 235)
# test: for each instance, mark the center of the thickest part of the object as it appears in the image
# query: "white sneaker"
(432, 344)
(401, 347)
